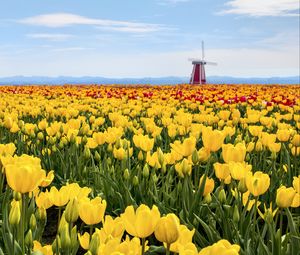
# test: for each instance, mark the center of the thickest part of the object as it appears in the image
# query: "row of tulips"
(218, 165)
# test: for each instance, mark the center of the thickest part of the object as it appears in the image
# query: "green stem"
(23, 217)
(13, 238)
(168, 249)
(281, 219)
(91, 231)
(143, 245)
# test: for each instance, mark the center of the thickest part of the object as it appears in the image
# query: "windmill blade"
(211, 63)
(202, 50)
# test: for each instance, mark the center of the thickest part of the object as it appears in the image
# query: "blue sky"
(135, 38)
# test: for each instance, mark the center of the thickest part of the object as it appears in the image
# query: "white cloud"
(71, 49)
(263, 7)
(51, 37)
(68, 19)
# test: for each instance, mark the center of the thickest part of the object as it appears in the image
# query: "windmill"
(198, 74)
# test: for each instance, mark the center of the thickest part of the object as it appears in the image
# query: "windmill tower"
(198, 73)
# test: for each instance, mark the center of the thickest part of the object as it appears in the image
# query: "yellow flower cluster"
(194, 154)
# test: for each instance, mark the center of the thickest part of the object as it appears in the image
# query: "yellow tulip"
(184, 240)
(274, 147)
(92, 211)
(296, 140)
(167, 229)
(212, 139)
(183, 168)
(235, 153)
(222, 247)
(99, 138)
(7, 149)
(255, 130)
(285, 196)
(239, 170)
(43, 200)
(143, 142)
(257, 183)
(296, 201)
(269, 213)
(186, 148)
(84, 240)
(45, 250)
(59, 197)
(209, 185)
(47, 179)
(203, 154)
(112, 228)
(296, 183)
(142, 222)
(14, 213)
(120, 153)
(222, 171)
(283, 135)
(24, 174)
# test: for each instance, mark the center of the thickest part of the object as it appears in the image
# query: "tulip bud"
(228, 139)
(268, 216)
(32, 223)
(126, 174)
(84, 140)
(41, 214)
(236, 215)
(247, 158)
(56, 245)
(28, 239)
(222, 196)
(146, 170)
(86, 153)
(54, 148)
(140, 156)
(71, 211)
(167, 229)
(135, 181)
(65, 237)
(242, 186)
(118, 144)
(88, 253)
(207, 199)
(15, 213)
(97, 156)
(52, 140)
(195, 157)
(158, 140)
(164, 168)
(273, 155)
(58, 135)
(40, 135)
(60, 145)
(74, 241)
(126, 145)
(160, 156)
(94, 244)
(109, 148)
(154, 178)
(17, 196)
(108, 161)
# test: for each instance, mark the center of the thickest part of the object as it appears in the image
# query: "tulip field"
(134, 170)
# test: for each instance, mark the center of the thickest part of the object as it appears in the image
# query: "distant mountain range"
(40, 80)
